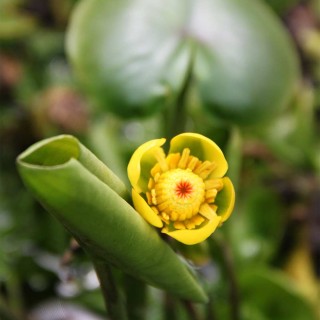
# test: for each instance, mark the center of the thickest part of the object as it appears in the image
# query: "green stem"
(233, 285)
(175, 118)
(234, 156)
(112, 296)
(229, 269)
(136, 293)
(102, 138)
(5, 312)
(192, 312)
(15, 298)
(210, 314)
(170, 305)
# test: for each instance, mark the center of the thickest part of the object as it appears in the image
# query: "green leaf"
(248, 64)
(87, 198)
(132, 55)
(272, 295)
(258, 228)
(282, 6)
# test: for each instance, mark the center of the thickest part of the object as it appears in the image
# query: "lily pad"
(131, 56)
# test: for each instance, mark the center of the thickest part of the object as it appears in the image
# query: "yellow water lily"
(184, 192)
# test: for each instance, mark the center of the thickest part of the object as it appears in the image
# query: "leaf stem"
(5, 312)
(220, 247)
(234, 156)
(229, 268)
(192, 312)
(176, 115)
(15, 299)
(169, 307)
(233, 285)
(112, 296)
(136, 293)
(210, 314)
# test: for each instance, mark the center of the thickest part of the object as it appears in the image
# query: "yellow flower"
(185, 192)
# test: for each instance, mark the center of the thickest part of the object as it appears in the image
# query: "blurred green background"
(116, 74)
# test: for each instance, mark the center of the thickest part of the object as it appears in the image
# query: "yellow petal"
(141, 163)
(207, 212)
(225, 199)
(145, 210)
(203, 148)
(195, 235)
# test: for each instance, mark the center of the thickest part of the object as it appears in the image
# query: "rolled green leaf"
(88, 199)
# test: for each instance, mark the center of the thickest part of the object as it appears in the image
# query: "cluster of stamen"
(180, 192)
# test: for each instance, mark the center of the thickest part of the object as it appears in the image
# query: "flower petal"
(203, 148)
(225, 199)
(195, 235)
(141, 163)
(145, 210)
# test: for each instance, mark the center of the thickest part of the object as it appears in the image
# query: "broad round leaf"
(246, 67)
(131, 55)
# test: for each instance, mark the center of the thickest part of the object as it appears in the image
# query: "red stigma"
(183, 189)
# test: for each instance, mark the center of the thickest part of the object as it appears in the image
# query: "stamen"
(193, 161)
(189, 224)
(173, 160)
(197, 220)
(164, 205)
(207, 212)
(214, 184)
(161, 158)
(213, 207)
(165, 229)
(150, 184)
(189, 212)
(165, 216)
(184, 158)
(174, 216)
(154, 197)
(155, 170)
(210, 200)
(166, 221)
(155, 210)
(212, 193)
(205, 169)
(149, 197)
(179, 225)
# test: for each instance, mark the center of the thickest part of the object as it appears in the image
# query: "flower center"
(180, 192)
(184, 189)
